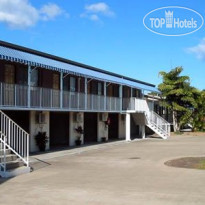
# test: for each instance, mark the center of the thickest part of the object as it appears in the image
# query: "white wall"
(102, 130)
(74, 124)
(35, 128)
(121, 126)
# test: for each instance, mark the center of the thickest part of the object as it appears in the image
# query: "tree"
(199, 112)
(178, 96)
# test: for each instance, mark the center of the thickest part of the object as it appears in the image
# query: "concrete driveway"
(127, 173)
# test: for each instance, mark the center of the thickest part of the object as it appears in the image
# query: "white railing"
(128, 104)
(12, 95)
(160, 123)
(141, 105)
(13, 138)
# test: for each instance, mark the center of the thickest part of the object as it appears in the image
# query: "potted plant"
(78, 141)
(80, 131)
(103, 139)
(107, 122)
(41, 140)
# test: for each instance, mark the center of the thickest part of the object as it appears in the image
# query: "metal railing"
(141, 105)
(12, 95)
(162, 125)
(159, 123)
(13, 138)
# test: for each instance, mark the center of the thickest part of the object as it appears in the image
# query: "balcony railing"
(19, 96)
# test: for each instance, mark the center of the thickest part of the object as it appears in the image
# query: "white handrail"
(13, 138)
(160, 122)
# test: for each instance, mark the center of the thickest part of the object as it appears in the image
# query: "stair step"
(15, 172)
(9, 157)
(7, 151)
(14, 164)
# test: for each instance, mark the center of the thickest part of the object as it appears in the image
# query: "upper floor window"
(72, 84)
(34, 78)
(100, 88)
(9, 75)
(56, 81)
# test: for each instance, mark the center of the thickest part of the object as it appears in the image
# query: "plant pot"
(42, 148)
(78, 142)
(103, 139)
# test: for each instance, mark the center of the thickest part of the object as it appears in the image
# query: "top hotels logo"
(173, 21)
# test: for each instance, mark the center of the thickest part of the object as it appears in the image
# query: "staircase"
(14, 148)
(158, 124)
(144, 116)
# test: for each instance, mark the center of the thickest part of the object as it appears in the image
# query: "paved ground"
(124, 174)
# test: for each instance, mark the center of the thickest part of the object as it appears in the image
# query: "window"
(9, 75)
(56, 81)
(72, 84)
(34, 78)
(100, 88)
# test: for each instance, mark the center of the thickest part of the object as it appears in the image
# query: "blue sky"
(108, 34)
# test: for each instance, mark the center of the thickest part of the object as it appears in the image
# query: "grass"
(178, 133)
(201, 164)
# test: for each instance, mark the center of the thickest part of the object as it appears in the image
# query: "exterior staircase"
(158, 124)
(14, 148)
(143, 115)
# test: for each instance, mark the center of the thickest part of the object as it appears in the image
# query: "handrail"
(159, 117)
(14, 95)
(160, 122)
(14, 138)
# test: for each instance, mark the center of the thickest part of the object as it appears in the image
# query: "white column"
(120, 95)
(61, 89)
(86, 93)
(127, 127)
(29, 86)
(105, 95)
(142, 131)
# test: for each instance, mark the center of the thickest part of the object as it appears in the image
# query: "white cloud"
(101, 7)
(50, 11)
(94, 17)
(93, 11)
(199, 50)
(20, 14)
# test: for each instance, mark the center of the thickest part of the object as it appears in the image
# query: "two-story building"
(40, 92)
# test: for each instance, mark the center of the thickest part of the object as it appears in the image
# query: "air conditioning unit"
(103, 117)
(79, 117)
(40, 118)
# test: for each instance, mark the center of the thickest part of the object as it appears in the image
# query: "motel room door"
(90, 127)
(59, 129)
(113, 127)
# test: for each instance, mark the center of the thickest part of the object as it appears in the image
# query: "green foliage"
(199, 112)
(178, 96)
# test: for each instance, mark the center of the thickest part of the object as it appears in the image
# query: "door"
(113, 127)
(90, 127)
(59, 129)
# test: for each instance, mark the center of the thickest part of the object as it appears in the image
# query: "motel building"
(66, 100)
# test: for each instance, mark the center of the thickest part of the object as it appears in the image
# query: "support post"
(29, 86)
(142, 131)
(105, 95)
(120, 95)
(127, 127)
(61, 89)
(86, 93)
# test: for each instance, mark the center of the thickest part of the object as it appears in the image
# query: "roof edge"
(57, 58)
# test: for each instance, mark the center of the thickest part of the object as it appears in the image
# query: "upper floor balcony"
(14, 96)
